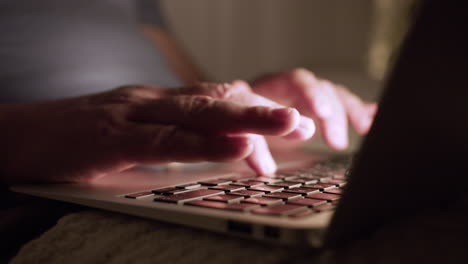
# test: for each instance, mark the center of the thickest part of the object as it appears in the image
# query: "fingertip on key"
(268, 167)
(263, 166)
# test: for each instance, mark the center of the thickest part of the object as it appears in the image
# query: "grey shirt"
(60, 48)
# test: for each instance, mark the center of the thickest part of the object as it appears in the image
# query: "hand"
(83, 138)
(260, 160)
(329, 104)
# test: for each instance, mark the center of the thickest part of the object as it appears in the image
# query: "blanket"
(103, 237)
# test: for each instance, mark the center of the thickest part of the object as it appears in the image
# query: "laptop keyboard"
(290, 193)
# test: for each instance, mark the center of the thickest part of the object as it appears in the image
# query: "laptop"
(412, 160)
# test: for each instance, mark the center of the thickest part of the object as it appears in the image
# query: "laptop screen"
(416, 154)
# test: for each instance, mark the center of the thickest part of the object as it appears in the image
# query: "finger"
(335, 125)
(360, 114)
(305, 130)
(306, 127)
(151, 144)
(128, 94)
(261, 160)
(372, 109)
(312, 93)
(240, 92)
(219, 116)
(321, 100)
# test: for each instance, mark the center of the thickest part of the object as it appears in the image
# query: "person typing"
(96, 80)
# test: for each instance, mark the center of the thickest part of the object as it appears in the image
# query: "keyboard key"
(139, 195)
(242, 206)
(316, 175)
(324, 207)
(247, 193)
(307, 202)
(307, 170)
(262, 200)
(320, 186)
(302, 213)
(286, 185)
(336, 182)
(303, 191)
(311, 177)
(240, 177)
(324, 196)
(227, 188)
(224, 206)
(249, 183)
(266, 179)
(283, 195)
(289, 172)
(176, 191)
(214, 182)
(189, 186)
(316, 171)
(187, 196)
(209, 204)
(226, 198)
(340, 173)
(279, 209)
(334, 191)
(283, 176)
(339, 177)
(304, 180)
(266, 188)
(164, 190)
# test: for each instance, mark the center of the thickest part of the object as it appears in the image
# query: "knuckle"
(257, 111)
(345, 94)
(341, 88)
(194, 105)
(302, 78)
(130, 94)
(327, 86)
(300, 73)
(166, 139)
(165, 136)
(126, 94)
(109, 123)
(222, 91)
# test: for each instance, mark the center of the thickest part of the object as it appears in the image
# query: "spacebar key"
(187, 196)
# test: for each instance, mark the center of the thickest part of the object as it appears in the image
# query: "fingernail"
(306, 127)
(286, 119)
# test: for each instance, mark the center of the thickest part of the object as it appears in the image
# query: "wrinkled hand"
(79, 139)
(329, 104)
